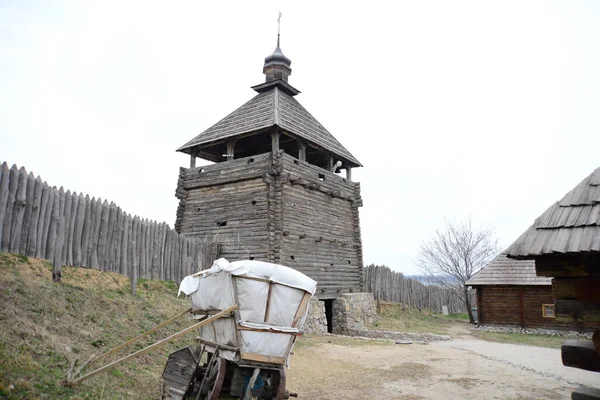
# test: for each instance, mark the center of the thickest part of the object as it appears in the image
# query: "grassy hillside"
(46, 326)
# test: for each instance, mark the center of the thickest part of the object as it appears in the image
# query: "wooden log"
(58, 260)
(78, 233)
(54, 211)
(87, 227)
(133, 275)
(47, 220)
(145, 249)
(13, 181)
(66, 225)
(103, 235)
(4, 189)
(18, 212)
(580, 354)
(95, 235)
(125, 242)
(28, 212)
(35, 217)
(111, 237)
(72, 228)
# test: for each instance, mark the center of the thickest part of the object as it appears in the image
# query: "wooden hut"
(276, 191)
(564, 243)
(509, 293)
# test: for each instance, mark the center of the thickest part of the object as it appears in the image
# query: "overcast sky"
(484, 108)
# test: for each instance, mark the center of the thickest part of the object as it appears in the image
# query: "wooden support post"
(330, 162)
(193, 160)
(349, 173)
(275, 139)
(231, 149)
(301, 150)
(153, 346)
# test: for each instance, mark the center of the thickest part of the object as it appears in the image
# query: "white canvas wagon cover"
(272, 305)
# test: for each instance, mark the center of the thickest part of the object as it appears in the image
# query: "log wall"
(387, 285)
(276, 208)
(67, 228)
(321, 236)
(227, 202)
(520, 306)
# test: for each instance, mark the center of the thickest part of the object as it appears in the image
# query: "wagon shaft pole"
(135, 339)
(153, 346)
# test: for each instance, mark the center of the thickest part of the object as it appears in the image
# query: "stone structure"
(351, 314)
(274, 192)
(316, 320)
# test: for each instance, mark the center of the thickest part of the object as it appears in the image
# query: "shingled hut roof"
(571, 225)
(274, 106)
(506, 271)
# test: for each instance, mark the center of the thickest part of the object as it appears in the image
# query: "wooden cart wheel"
(212, 382)
(281, 392)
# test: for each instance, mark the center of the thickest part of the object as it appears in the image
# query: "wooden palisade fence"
(387, 285)
(67, 228)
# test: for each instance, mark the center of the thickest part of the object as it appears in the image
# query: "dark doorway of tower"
(329, 314)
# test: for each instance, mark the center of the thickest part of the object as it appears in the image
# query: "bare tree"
(458, 250)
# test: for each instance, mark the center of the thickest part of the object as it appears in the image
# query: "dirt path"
(332, 368)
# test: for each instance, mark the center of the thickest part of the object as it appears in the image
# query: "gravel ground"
(538, 360)
(332, 368)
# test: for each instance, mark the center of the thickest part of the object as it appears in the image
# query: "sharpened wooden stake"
(153, 346)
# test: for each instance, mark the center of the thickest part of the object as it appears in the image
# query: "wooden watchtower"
(275, 191)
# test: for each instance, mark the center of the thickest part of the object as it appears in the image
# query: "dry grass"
(46, 326)
(396, 317)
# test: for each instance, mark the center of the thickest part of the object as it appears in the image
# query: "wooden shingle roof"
(506, 271)
(272, 107)
(571, 225)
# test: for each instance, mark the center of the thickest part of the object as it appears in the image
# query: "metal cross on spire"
(278, 28)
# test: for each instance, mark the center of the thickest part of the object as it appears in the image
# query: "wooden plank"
(13, 181)
(4, 189)
(580, 354)
(262, 358)
(151, 347)
(301, 309)
(18, 212)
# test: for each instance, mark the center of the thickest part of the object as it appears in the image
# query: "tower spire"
(277, 66)
(278, 28)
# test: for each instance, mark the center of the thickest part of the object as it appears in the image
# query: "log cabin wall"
(274, 207)
(512, 305)
(321, 231)
(227, 202)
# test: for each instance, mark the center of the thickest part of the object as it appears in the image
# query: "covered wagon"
(244, 353)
